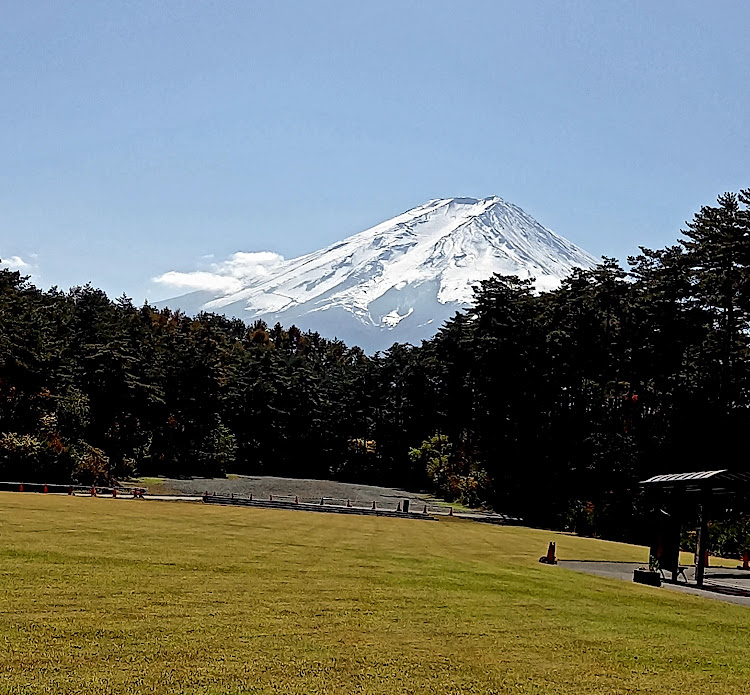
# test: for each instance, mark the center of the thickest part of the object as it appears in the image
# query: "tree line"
(551, 406)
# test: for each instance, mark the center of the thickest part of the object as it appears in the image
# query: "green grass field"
(104, 596)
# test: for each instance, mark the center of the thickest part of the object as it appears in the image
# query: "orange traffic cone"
(45, 488)
(549, 558)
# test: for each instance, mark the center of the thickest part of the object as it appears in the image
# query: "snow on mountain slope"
(397, 281)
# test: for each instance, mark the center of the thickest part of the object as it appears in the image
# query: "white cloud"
(227, 277)
(28, 267)
(15, 263)
(249, 266)
(200, 280)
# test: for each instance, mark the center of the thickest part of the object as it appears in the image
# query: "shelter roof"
(720, 480)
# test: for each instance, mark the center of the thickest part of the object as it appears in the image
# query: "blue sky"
(143, 137)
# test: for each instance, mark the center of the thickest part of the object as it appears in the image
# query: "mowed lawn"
(116, 596)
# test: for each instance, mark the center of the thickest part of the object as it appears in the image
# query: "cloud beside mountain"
(227, 277)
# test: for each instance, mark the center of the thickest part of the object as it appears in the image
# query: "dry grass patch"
(104, 596)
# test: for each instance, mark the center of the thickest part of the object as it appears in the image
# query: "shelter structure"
(678, 493)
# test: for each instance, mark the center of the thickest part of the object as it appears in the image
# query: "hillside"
(396, 282)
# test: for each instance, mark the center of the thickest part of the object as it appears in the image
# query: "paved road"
(721, 583)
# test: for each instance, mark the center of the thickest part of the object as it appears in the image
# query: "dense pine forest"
(551, 406)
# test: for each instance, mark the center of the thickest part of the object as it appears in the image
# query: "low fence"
(60, 489)
(325, 505)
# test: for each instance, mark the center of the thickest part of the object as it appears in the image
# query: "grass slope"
(103, 596)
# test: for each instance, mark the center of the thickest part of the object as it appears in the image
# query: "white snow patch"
(393, 318)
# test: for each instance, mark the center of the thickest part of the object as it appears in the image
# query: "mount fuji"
(395, 282)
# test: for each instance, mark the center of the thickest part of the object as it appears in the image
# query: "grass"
(104, 596)
(154, 485)
(443, 505)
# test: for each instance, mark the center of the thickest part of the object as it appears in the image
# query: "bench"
(680, 572)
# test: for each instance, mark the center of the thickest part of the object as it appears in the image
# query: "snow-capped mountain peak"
(400, 279)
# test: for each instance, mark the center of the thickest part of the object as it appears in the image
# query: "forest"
(550, 406)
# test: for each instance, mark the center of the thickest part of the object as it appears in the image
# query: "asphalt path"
(721, 583)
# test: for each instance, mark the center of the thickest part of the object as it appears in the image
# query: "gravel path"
(306, 490)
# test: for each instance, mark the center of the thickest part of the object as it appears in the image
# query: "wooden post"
(702, 548)
(677, 507)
